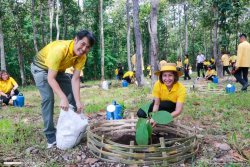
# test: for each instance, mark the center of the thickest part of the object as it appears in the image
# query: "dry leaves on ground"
(91, 160)
(238, 157)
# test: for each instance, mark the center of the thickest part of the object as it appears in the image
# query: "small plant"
(143, 126)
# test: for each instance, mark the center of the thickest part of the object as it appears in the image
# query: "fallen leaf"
(196, 103)
(102, 112)
(91, 160)
(246, 153)
(88, 115)
(238, 157)
(8, 158)
(100, 93)
(135, 165)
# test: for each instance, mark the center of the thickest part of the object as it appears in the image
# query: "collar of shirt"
(174, 88)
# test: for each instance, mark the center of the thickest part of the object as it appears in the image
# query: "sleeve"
(55, 57)
(13, 82)
(181, 95)
(222, 58)
(81, 62)
(156, 90)
(1, 89)
(239, 56)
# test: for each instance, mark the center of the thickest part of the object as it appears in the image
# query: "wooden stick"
(132, 143)
(164, 154)
(100, 155)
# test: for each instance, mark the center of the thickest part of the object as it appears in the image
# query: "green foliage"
(162, 117)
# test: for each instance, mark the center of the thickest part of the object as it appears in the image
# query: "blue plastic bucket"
(116, 114)
(230, 89)
(125, 84)
(215, 80)
(19, 102)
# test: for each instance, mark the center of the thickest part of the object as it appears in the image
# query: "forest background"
(182, 27)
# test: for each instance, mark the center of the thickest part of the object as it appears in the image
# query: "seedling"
(143, 126)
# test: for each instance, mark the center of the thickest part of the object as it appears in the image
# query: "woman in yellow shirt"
(8, 87)
(186, 68)
(210, 73)
(169, 94)
(116, 73)
(179, 64)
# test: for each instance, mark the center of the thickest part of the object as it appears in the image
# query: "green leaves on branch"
(146, 107)
(141, 135)
(162, 117)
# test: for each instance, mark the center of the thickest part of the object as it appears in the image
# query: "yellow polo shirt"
(7, 86)
(186, 61)
(233, 58)
(243, 55)
(162, 62)
(177, 94)
(59, 56)
(116, 71)
(129, 73)
(134, 61)
(211, 72)
(206, 63)
(179, 64)
(225, 60)
(148, 68)
(212, 60)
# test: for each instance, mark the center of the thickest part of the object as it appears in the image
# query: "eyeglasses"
(5, 75)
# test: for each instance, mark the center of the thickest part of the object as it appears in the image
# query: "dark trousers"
(168, 106)
(186, 74)
(200, 67)
(238, 75)
(81, 78)
(120, 75)
(233, 64)
(211, 78)
(127, 78)
(6, 100)
(225, 68)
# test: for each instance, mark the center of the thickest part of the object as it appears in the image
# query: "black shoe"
(189, 78)
(245, 86)
(51, 139)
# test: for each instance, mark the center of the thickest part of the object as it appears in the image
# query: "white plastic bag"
(105, 85)
(190, 71)
(70, 128)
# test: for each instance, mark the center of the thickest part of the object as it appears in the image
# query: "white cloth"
(200, 58)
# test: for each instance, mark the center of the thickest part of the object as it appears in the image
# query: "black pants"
(233, 65)
(211, 77)
(238, 76)
(70, 75)
(168, 106)
(6, 100)
(127, 78)
(225, 68)
(120, 75)
(200, 67)
(186, 73)
(81, 78)
(205, 67)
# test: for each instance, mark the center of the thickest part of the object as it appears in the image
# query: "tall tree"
(51, 16)
(152, 27)
(211, 35)
(64, 21)
(128, 36)
(57, 16)
(42, 22)
(137, 32)
(102, 39)
(186, 28)
(3, 63)
(180, 30)
(34, 27)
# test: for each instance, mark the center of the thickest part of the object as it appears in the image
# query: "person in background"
(163, 61)
(186, 68)
(179, 64)
(243, 62)
(120, 71)
(199, 64)
(210, 74)
(225, 62)
(81, 76)
(206, 63)
(129, 77)
(169, 61)
(169, 94)
(212, 61)
(8, 87)
(70, 71)
(233, 59)
(116, 73)
(148, 70)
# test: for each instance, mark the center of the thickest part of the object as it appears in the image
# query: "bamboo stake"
(100, 155)
(164, 154)
(132, 143)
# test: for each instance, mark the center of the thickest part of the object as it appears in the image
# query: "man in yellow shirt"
(129, 76)
(48, 69)
(225, 61)
(233, 59)
(243, 62)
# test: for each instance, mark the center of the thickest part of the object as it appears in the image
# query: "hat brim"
(178, 72)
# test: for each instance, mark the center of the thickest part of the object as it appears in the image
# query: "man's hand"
(80, 107)
(236, 68)
(64, 104)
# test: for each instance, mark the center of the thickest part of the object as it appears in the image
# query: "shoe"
(245, 86)
(51, 139)
(189, 78)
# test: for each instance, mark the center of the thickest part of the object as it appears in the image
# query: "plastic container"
(19, 100)
(105, 85)
(125, 84)
(230, 88)
(215, 80)
(211, 86)
(114, 111)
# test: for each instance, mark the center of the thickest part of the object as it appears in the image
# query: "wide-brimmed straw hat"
(169, 67)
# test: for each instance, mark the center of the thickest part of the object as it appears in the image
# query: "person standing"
(148, 70)
(233, 59)
(225, 62)
(186, 68)
(243, 62)
(179, 64)
(116, 73)
(120, 71)
(199, 64)
(48, 69)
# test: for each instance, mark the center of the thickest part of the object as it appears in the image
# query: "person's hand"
(7, 96)
(12, 93)
(152, 122)
(236, 68)
(64, 104)
(80, 107)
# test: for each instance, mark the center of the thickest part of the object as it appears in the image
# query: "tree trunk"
(34, 27)
(186, 28)
(3, 63)
(102, 40)
(211, 36)
(176, 42)
(128, 37)
(42, 23)
(236, 35)
(137, 31)
(193, 44)
(217, 57)
(152, 28)
(51, 15)
(57, 16)
(64, 22)
(205, 47)
(180, 30)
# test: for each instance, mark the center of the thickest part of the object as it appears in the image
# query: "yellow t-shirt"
(116, 71)
(129, 73)
(177, 94)
(212, 60)
(233, 58)
(179, 64)
(225, 60)
(150, 73)
(148, 68)
(162, 62)
(59, 56)
(211, 72)
(7, 86)
(206, 63)
(134, 61)
(186, 61)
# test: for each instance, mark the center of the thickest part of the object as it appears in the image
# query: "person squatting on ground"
(48, 69)
(199, 63)
(243, 62)
(186, 68)
(225, 62)
(210, 74)
(70, 71)
(8, 87)
(169, 94)
(163, 61)
(129, 77)
(179, 64)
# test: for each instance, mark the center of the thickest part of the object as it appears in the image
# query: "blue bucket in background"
(19, 102)
(125, 84)
(116, 113)
(230, 88)
(215, 80)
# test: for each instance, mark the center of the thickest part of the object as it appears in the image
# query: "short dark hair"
(186, 55)
(228, 52)
(223, 52)
(176, 77)
(88, 34)
(162, 58)
(243, 35)
(179, 59)
(2, 72)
